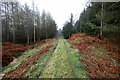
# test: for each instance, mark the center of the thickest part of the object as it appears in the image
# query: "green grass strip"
(64, 63)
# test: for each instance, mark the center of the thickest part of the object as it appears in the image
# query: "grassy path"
(64, 63)
(60, 61)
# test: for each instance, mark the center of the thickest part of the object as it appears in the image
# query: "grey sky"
(59, 9)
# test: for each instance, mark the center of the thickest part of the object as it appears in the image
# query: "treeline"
(69, 28)
(22, 24)
(97, 19)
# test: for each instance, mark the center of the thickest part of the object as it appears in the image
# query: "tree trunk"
(34, 33)
(46, 33)
(13, 24)
(6, 39)
(101, 32)
(28, 40)
(80, 30)
(33, 21)
(7, 22)
(69, 35)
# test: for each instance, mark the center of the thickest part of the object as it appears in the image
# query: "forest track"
(57, 62)
(74, 74)
(60, 64)
(37, 76)
(61, 59)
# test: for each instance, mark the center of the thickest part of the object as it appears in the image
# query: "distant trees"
(48, 26)
(69, 28)
(19, 25)
(59, 33)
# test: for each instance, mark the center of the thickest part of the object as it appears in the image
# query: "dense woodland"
(23, 24)
(96, 19)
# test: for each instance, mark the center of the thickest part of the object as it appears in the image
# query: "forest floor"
(81, 56)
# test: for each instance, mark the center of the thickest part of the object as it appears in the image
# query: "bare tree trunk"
(7, 22)
(34, 33)
(101, 31)
(46, 33)
(33, 21)
(80, 30)
(13, 24)
(69, 35)
(28, 40)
